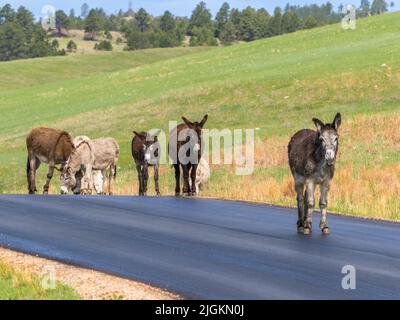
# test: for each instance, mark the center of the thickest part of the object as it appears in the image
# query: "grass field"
(26, 286)
(276, 84)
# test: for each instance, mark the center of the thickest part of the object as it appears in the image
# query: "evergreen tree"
(12, 42)
(72, 46)
(310, 23)
(203, 37)
(290, 22)
(247, 30)
(93, 25)
(167, 22)
(378, 7)
(365, 8)
(200, 19)
(84, 10)
(228, 33)
(275, 23)
(222, 19)
(62, 21)
(143, 20)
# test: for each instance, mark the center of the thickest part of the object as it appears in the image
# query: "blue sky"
(157, 7)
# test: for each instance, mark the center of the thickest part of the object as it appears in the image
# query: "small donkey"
(312, 157)
(146, 151)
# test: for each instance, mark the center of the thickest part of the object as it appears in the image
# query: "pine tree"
(201, 18)
(290, 22)
(221, 19)
(93, 25)
(378, 7)
(143, 20)
(275, 23)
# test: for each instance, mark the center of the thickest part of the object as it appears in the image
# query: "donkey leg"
(323, 204)
(32, 165)
(186, 186)
(145, 178)
(139, 171)
(156, 177)
(49, 177)
(177, 179)
(111, 179)
(193, 178)
(310, 190)
(300, 206)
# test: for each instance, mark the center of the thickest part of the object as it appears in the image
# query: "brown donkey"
(48, 146)
(312, 157)
(185, 150)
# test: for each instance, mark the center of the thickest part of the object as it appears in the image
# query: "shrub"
(103, 46)
(71, 46)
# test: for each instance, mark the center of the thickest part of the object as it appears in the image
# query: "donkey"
(203, 175)
(146, 151)
(185, 150)
(97, 175)
(89, 155)
(49, 146)
(312, 158)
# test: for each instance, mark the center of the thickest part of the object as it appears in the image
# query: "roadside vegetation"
(277, 84)
(16, 285)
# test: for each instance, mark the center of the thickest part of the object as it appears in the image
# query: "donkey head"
(67, 180)
(329, 138)
(195, 132)
(151, 146)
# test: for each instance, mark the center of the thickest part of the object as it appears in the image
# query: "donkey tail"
(115, 171)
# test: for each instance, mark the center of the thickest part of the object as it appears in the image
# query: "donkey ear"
(135, 133)
(318, 123)
(203, 122)
(337, 122)
(188, 123)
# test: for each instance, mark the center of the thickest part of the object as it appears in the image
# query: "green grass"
(276, 84)
(25, 286)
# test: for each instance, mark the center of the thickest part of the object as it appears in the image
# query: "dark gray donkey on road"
(185, 149)
(146, 151)
(312, 158)
(48, 146)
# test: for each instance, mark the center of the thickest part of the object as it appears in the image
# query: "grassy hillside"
(277, 84)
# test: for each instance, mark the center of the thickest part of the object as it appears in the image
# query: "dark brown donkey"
(185, 150)
(48, 146)
(312, 157)
(146, 152)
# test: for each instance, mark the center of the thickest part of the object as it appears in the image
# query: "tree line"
(22, 37)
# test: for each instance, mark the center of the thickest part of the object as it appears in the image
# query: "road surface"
(207, 249)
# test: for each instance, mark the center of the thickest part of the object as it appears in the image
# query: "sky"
(157, 7)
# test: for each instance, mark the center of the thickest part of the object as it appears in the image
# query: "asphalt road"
(207, 249)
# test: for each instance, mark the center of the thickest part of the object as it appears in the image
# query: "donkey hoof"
(307, 231)
(300, 229)
(326, 231)
(45, 193)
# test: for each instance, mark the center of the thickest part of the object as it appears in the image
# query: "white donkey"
(203, 175)
(90, 156)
